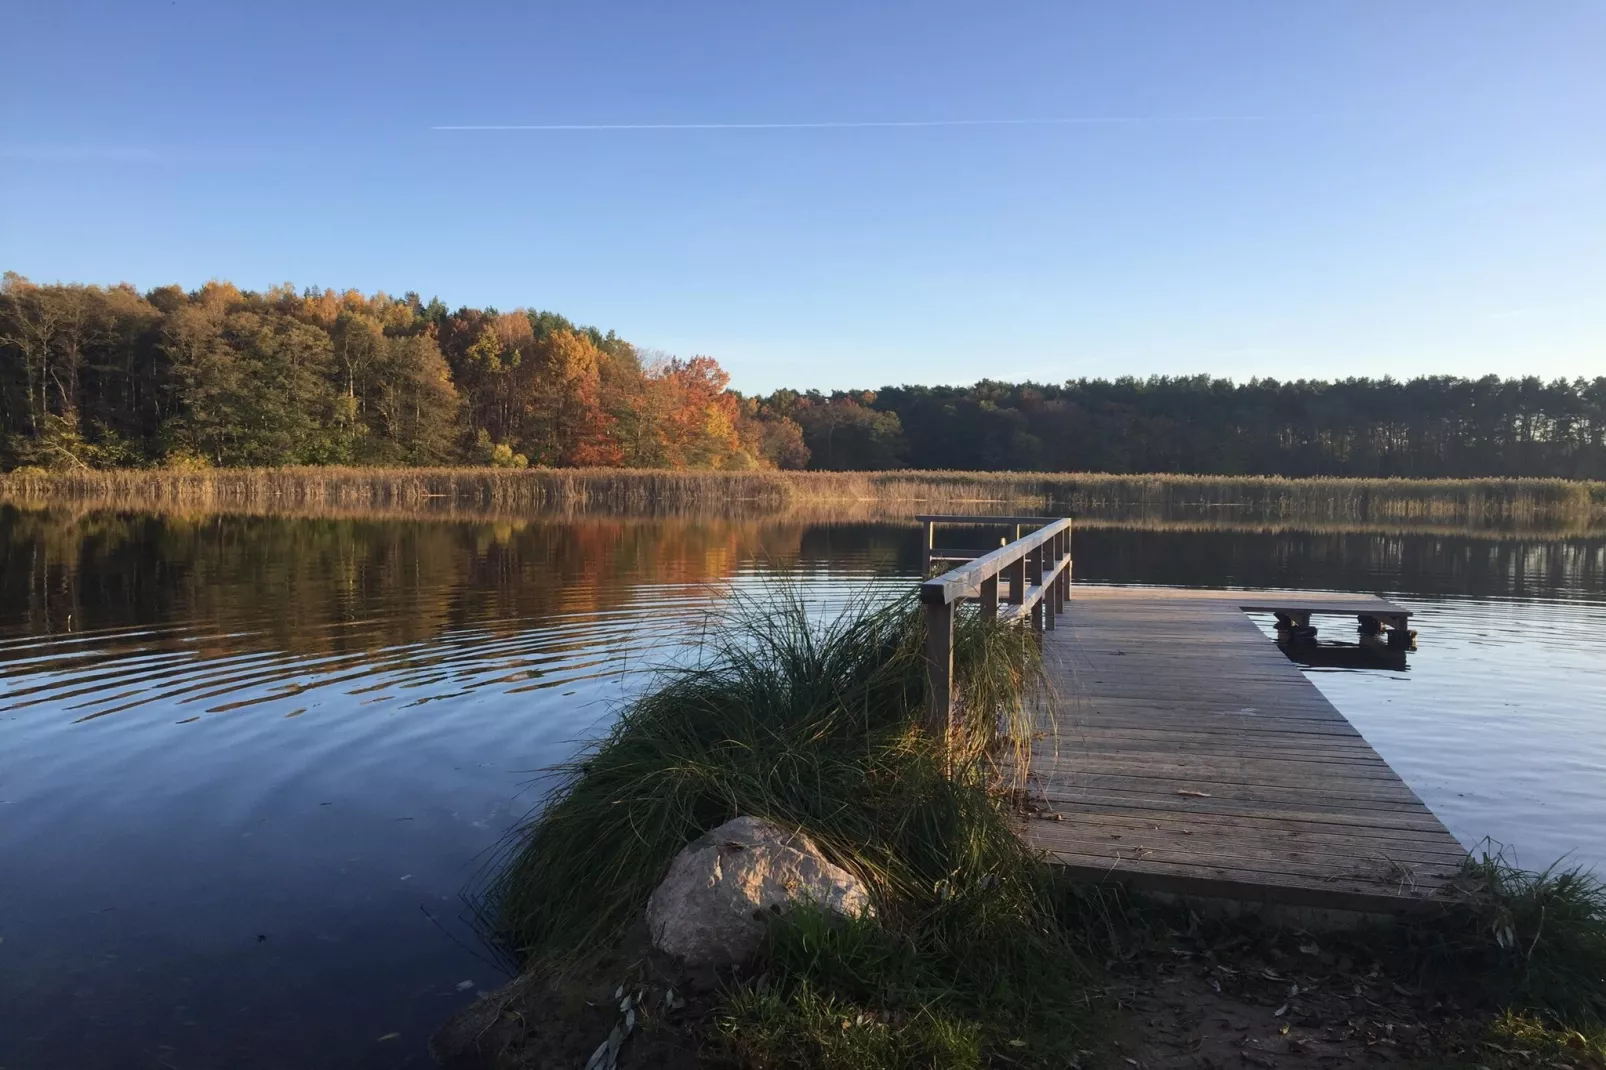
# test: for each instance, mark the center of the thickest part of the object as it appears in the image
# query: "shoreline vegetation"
(95, 377)
(1540, 505)
(979, 953)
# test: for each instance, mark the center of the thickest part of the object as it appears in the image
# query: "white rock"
(710, 909)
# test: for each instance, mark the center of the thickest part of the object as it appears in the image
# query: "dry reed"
(1257, 500)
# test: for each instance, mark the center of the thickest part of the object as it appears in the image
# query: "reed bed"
(1535, 503)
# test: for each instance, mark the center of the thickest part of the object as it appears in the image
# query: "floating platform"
(1190, 756)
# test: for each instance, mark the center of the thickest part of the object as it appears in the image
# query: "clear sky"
(1287, 188)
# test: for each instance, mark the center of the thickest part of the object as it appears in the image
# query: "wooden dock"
(1188, 754)
(1191, 756)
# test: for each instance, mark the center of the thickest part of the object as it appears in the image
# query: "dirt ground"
(1205, 998)
(1290, 1001)
(545, 1022)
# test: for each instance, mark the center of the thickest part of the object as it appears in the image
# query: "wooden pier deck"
(1191, 756)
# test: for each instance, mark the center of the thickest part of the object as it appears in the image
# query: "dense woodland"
(102, 377)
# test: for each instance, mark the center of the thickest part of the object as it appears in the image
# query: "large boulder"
(712, 907)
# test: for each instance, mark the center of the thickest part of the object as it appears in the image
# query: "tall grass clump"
(817, 724)
(1534, 941)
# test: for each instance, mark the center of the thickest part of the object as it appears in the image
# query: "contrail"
(1088, 120)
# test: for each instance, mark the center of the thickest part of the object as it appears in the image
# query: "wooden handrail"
(1037, 570)
(965, 581)
(971, 520)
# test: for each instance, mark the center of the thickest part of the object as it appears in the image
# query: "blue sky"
(1292, 189)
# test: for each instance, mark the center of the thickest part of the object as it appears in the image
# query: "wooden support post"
(939, 666)
(1047, 601)
(1062, 584)
(1015, 573)
(989, 598)
(1034, 576)
(925, 549)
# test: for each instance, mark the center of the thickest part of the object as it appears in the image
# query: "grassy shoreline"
(1536, 503)
(979, 953)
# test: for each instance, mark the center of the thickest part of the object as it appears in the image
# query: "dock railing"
(1034, 572)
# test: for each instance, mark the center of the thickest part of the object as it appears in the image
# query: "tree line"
(94, 377)
(100, 377)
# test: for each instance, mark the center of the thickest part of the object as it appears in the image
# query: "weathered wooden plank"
(1098, 815)
(1282, 745)
(1244, 800)
(1324, 866)
(1214, 845)
(1249, 885)
(1153, 718)
(1229, 813)
(1218, 768)
(1223, 838)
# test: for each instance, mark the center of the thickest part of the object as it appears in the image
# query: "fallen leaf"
(1280, 1011)
(390, 1036)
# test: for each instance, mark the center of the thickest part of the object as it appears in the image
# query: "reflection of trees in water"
(331, 585)
(1464, 564)
(342, 584)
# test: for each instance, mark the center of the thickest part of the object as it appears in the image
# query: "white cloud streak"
(891, 124)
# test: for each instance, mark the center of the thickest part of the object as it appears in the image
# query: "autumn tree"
(698, 427)
(564, 419)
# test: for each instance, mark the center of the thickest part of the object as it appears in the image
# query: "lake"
(248, 765)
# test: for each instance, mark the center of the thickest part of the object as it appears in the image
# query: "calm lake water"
(248, 765)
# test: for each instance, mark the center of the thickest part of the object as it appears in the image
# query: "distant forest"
(106, 377)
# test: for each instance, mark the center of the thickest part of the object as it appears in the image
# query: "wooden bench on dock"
(1188, 754)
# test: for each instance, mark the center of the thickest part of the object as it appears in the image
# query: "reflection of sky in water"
(247, 766)
(1499, 723)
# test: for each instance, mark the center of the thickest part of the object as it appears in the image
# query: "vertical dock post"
(989, 598)
(1051, 582)
(1062, 589)
(939, 665)
(1034, 577)
(926, 546)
